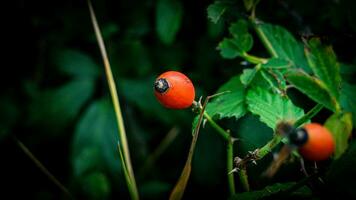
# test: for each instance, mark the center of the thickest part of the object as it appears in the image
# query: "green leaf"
(249, 4)
(348, 99)
(58, 107)
(271, 80)
(229, 104)
(272, 190)
(154, 189)
(312, 87)
(277, 63)
(169, 14)
(96, 186)
(282, 44)
(76, 63)
(216, 10)
(215, 30)
(242, 38)
(340, 179)
(247, 76)
(94, 145)
(9, 115)
(347, 72)
(229, 48)
(272, 108)
(340, 125)
(250, 138)
(322, 60)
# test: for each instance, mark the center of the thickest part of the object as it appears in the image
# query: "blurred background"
(55, 99)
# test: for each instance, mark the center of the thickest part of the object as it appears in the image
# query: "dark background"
(46, 105)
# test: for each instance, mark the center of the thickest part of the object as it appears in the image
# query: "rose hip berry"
(174, 90)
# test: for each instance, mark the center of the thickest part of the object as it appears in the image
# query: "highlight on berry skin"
(174, 90)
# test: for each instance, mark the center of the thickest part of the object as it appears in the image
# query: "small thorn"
(237, 160)
(233, 139)
(233, 170)
(204, 122)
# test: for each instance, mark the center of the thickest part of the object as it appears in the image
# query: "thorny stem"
(218, 128)
(230, 166)
(262, 152)
(230, 156)
(244, 179)
(277, 138)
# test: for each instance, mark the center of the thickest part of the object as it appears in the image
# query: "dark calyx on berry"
(298, 137)
(161, 85)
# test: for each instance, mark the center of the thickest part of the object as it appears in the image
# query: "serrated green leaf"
(238, 28)
(216, 10)
(277, 63)
(340, 179)
(311, 87)
(229, 48)
(230, 104)
(322, 60)
(271, 80)
(272, 190)
(94, 145)
(282, 44)
(340, 126)
(247, 76)
(272, 108)
(242, 38)
(348, 99)
(76, 63)
(60, 106)
(169, 14)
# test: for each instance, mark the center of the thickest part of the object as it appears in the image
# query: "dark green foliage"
(55, 97)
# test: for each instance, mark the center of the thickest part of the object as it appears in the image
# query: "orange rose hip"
(174, 90)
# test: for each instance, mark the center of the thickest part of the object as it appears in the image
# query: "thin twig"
(167, 140)
(43, 168)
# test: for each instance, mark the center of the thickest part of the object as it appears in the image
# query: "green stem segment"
(311, 113)
(254, 59)
(264, 39)
(230, 157)
(244, 179)
(218, 128)
(230, 166)
(269, 146)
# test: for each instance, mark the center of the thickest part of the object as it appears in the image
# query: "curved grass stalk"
(123, 147)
